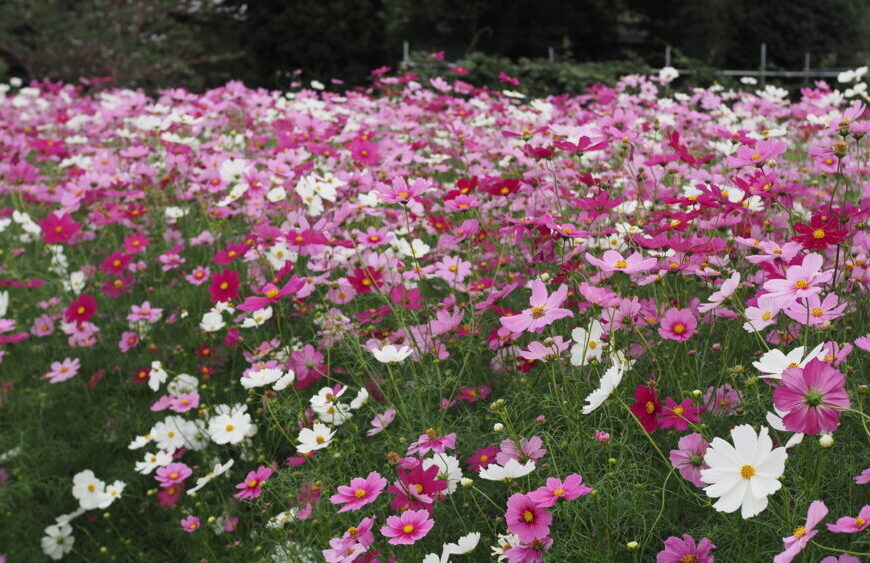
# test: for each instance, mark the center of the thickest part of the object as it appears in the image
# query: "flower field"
(429, 322)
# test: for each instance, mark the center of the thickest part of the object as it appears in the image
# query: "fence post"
(551, 54)
(763, 63)
(406, 53)
(668, 55)
(806, 69)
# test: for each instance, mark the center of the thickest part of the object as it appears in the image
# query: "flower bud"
(826, 441)
(497, 427)
(632, 545)
(466, 482)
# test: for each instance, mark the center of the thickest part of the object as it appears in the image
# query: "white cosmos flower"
(156, 375)
(282, 518)
(743, 475)
(361, 398)
(88, 490)
(317, 437)
(448, 469)
(773, 363)
(415, 249)
(513, 469)
(775, 421)
(389, 354)
(465, 544)
(113, 492)
(168, 434)
(276, 194)
(609, 381)
(257, 318)
(58, 541)
(588, 344)
(286, 380)
(262, 377)
(153, 461)
(219, 469)
(231, 426)
(212, 322)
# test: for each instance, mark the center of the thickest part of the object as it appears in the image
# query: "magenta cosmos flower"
(849, 525)
(686, 550)
(678, 324)
(526, 518)
(688, 458)
(224, 286)
(802, 535)
(679, 415)
(555, 490)
(647, 407)
(812, 397)
(407, 528)
(360, 492)
(251, 487)
(58, 228)
(543, 310)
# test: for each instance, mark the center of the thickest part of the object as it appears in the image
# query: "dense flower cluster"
(311, 304)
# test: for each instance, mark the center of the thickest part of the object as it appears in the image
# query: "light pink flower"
(543, 310)
(613, 261)
(688, 458)
(61, 371)
(849, 525)
(800, 281)
(677, 324)
(381, 421)
(802, 535)
(190, 524)
(251, 487)
(555, 490)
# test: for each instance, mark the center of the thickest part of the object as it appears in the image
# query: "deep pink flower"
(360, 492)
(271, 294)
(647, 407)
(190, 524)
(685, 550)
(543, 310)
(172, 474)
(688, 458)
(849, 525)
(482, 458)
(802, 535)
(116, 263)
(532, 552)
(136, 242)
(678, 416)
(407, 528)
(555, 490)
(417, 487)
(812, 397)
(823, 231)
(526, 518)
(81, 309)
(677, 324)
(58, 228)
(224, 286)
(251, 487)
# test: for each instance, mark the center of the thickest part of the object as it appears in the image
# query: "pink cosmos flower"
(352, 544)
(683, 550)
(59, 228)
(144, 312)
(816, 312)
(863, 478)
(61, 371)
(407, 528)
(198, 276)
(863, 342)
(190, 524)
(543, 310)
(271, 294)
(677, 324)
(136, 242)
(843, 558)
(602, 296)
(613, 261)
(381, 421)
(800, 281)
(128, 341)
(401, 192)
(549, 349)
(725, 291)
(431, 442)
(723, 400)
(678, 416)
(526, 518)
(251, 487)
(602, 436)
(528, 450)
(360, 492)
(688, 458)
(758, 154)
(532, 552)
(172, 474)
(184, 402)
(802, 535)
(482, 458)
(812, 397)
(43, 325)
(555, 490)
(849, 525)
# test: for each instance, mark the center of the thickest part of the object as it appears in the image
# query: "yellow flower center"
(224, 285)
(679, 328)
(319, 439)
(528, 516)
(253, 483)
(558, 492)
(800, 532)
(621, 264)
(860, 522)
(650, 407)
(678, 410)
(766, 316)
(484, 458)
(747, 471)
(230, 428)
(818, 234)
(800, 284)
(689, 558)
(359, 493)
(537, 312)
(91, 488)
(408, 528)
(81, 310)
(272, 293)
(816, 312)
(418, 487)
(755, 157)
